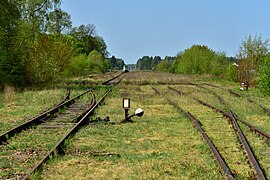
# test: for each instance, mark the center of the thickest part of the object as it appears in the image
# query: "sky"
(132, 29)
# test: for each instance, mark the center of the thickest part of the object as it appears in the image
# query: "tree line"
(252, 63)
(38, 44)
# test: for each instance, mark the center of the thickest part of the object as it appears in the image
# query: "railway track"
(207, 127)
(25, 148)
(267, 110)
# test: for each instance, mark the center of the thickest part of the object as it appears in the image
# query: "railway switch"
(126, 105)
(244, 86)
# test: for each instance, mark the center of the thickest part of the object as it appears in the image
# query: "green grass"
(162, 144)
(20, 106)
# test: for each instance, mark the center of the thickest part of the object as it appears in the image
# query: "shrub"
(264, 75)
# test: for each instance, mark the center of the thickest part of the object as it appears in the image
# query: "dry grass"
(162, 144)
(17, 107)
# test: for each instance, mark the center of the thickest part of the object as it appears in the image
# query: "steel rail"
(247, 147)
(67, 96)
(59, 147)
(37, 120)
(65, 99)
(111, 79)
(252, 127)
(239, 133)
(267, 110)
(196, 123)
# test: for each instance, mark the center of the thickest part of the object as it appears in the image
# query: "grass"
(20, 106)
(162, 144)
(27, 148)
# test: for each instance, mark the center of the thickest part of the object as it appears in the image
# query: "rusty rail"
(247, 147)
(239, 132)
(196, 123)
(37, 120)
(267, 110)
(59, 146)
(111, 79)
(252, 127)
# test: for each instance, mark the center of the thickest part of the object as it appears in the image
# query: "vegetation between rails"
(163, 143)
(162, 139)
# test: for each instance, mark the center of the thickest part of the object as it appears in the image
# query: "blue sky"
(134, 28)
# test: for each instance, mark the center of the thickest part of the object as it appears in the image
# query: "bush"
(49, 58)
(198, 60)
(98, 64)
(79, 66)
(164, 66)
(264, 75)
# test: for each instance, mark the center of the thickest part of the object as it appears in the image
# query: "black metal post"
(126, 113)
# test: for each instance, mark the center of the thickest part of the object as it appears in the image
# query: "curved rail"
(267, 110)
(247, 147)
(251, 127)
(67, 96)
(37, 120)
(111, 79)
(59, 146)
(223, 165)
(239, 132)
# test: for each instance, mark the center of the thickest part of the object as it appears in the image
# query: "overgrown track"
(30, 145)
(107, 82)
(252, 101)
(267, 110)
(233, 117)
(197, 125)
(52, 111)
(40, 118)
(59, 147)
(37, 144)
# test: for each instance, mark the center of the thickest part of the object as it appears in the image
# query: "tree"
(148, 63)
(164, 66)
(89, 41)
(196, 60)
(50, 58)
(11, 68)
(264, 75)
(253, 49)
(116, 63)
(58, 21)
(98, 63)
(251, 53)
(35, 12)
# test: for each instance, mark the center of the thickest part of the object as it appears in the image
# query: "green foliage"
(86, 35)
(148, 63)
(11, 69)
(197, 60)
(251, 54)
(49, 58)
(253, 49)
(29, 54)
(58, 21)
(98, 64)
(115, 63)
(230, 72)
(164, 66)
(81, 65)
(264, 75)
